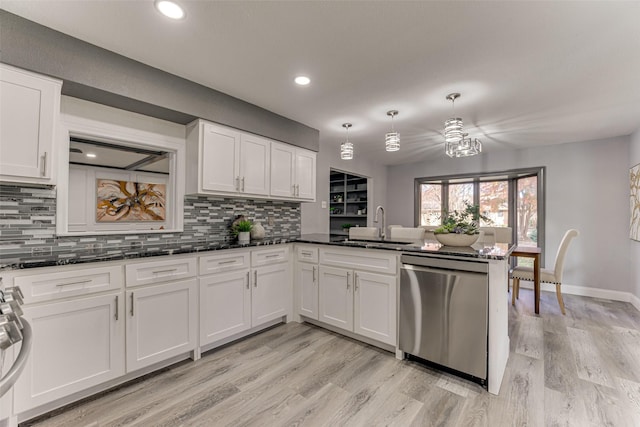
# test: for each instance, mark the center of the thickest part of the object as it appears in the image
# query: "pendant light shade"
(457, 143)
(392, 139)
(346, 148)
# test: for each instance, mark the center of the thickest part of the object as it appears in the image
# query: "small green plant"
(462, 222)
(347, 226)
(241, 226)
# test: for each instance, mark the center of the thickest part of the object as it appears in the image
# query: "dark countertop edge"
(323, 239)
(27, 260)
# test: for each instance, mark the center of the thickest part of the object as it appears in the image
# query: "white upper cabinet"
(228, 162)
(29, 113)
(293, 172)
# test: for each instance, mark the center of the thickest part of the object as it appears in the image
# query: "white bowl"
(453, 239)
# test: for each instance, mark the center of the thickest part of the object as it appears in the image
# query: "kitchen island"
(362, 261)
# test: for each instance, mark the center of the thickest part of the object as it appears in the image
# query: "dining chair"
(363, 232)
(546, 276)
(407, 233)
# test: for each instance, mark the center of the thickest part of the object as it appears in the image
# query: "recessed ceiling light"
(302, 80)
(170, 9)
(91, 155)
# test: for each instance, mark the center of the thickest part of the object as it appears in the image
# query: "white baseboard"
(635, 301)
(588, 292)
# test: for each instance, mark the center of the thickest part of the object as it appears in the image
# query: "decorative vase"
(454, 239)
(244, 237)
(257, 232)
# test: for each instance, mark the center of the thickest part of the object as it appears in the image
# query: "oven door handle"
(7, 381)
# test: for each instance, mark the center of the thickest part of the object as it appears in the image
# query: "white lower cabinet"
(336, 297)
(161, 322)
(77, 344)
(306, 280)
(249, 289)
(225, 305)
(375, 306)
(270, 296)
(358, 301)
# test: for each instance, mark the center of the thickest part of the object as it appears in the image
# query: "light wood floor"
(582, 369)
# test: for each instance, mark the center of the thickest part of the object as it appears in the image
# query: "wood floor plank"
(579, 370)
(589, 364)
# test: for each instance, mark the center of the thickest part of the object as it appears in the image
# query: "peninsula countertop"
(479, 250)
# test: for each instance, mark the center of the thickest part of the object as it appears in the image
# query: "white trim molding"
(587, 292)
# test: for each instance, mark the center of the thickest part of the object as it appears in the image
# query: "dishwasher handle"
(439, 270)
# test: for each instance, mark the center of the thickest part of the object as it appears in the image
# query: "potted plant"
(460, 228)
(346, 226)
(242, 229)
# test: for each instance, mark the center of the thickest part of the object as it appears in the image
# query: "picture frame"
(128, 201)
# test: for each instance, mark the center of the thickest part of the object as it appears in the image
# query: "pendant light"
(457, 143)
(346, 148)
(392, 139)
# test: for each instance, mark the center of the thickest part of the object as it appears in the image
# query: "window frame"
(510, 175)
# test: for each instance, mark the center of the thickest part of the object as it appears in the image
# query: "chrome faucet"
(381, 232)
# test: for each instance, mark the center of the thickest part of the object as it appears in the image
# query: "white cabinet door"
(255, 154)
(271, 293)
(29, 110)
(375, 307)
(225, 305)
(220, 159)
(76, 345)
(283, 170)
(307, 284)
(161, 323)
(336, 297)
(306, 174)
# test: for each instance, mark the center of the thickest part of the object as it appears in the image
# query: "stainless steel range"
(15, 332)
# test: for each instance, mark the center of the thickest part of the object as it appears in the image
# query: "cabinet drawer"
(160, 271)
(224, 261)
(307, 254)
(367, 260)
(69, 283)
(270, 256)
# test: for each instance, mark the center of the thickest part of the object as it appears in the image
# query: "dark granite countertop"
(77, 255)
(479, 250)
(86, 255)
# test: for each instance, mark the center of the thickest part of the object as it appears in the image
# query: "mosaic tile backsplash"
(27, 224)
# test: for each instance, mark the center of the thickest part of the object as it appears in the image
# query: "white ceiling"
(530, 73)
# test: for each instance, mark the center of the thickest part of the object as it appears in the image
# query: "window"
(509, 199)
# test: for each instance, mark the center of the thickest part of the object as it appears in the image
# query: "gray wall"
(102, 76)
(315, 219)
(587, 189)
(634, 246)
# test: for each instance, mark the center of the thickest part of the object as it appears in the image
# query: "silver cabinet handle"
(293, 190)
(348, 277)
(255, 278)
(79, 282)
(227, 262)
(298, 190)
(272, 256)
(314, 274)
(306, 253)
(131, 304)
(237, 183)
(243, 184)
(248, 280)
(355, 281)
(116, 316)
(44, 164)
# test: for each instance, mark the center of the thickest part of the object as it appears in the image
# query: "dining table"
(532, 252)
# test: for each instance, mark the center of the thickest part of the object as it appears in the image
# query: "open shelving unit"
(348, 195)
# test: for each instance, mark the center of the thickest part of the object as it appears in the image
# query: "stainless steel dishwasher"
(444, 313)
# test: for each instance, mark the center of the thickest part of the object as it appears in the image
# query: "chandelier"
(457, 142)
(346, 148)
(392, 139)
